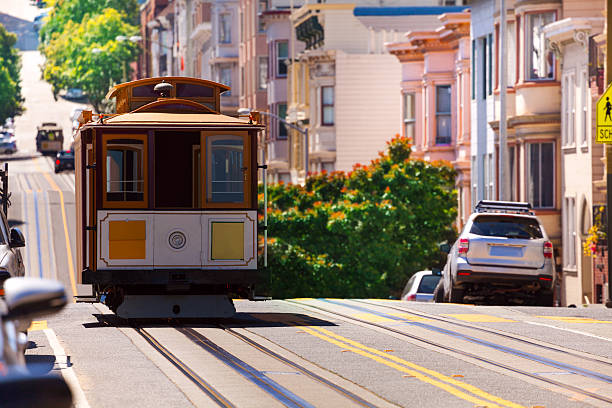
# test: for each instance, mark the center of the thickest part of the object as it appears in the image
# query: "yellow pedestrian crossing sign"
(604, 117)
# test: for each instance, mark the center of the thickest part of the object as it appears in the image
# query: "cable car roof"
(153, 118)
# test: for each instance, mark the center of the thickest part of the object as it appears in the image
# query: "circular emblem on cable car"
(177, 240)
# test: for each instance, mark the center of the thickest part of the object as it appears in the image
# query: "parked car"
(502, 255)
(24, 300)
(8, 143)
(421, 285)
(64, 160)
(74, 93)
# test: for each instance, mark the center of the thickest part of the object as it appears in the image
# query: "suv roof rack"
(503, 206)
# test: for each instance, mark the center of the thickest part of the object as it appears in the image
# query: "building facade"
(435, 87)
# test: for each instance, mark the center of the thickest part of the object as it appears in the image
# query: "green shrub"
(360, 234)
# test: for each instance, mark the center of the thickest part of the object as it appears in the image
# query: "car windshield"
(508, 227)
(428, 283)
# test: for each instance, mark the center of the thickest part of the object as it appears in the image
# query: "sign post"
(603, 115)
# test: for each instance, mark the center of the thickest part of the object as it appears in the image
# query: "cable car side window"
(125, 171)
(226, 171)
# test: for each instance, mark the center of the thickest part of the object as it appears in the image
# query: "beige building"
(581, 164)
(348, 90)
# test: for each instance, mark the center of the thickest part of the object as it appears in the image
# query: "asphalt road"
(297, 353)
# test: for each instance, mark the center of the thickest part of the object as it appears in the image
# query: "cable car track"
(455, 350)
(272, 388)
(482, 329)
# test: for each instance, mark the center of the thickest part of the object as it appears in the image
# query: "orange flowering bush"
(363, 233)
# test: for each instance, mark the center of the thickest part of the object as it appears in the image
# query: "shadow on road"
(239, 320)
(27, 37)
(39, 363)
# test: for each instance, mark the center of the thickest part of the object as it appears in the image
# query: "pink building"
(436, 97)
(253, 56)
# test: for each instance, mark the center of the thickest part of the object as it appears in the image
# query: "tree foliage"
(11, 101)
(85, 54)
(360, 234)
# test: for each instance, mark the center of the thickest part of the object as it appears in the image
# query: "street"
(296, 352)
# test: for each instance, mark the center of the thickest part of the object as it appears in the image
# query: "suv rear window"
(505, 226)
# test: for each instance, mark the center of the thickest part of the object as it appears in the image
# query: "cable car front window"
(226, 171)
(124, 170)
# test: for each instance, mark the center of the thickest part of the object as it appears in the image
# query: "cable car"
(166, 200)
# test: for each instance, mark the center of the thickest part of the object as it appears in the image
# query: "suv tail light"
(411, 297)
(548, 250)
(464, 245)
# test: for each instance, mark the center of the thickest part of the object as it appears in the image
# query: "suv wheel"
(455, 294)
(544, 299)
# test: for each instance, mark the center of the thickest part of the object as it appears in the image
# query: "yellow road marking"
(68, 248)
(479, 318)
(570, 319)
(38, 325)
(449, 385)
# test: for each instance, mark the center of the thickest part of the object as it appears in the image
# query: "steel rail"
(183, 368)
(280, 393)
(342, 391)
(455, 350)
(482, 329)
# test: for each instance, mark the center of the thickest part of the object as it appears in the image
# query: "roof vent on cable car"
(163, 89)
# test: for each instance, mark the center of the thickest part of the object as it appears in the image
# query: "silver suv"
(502, 255)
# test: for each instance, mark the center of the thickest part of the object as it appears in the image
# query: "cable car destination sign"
(604, 117)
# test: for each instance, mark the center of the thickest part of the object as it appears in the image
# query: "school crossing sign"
(604, 117)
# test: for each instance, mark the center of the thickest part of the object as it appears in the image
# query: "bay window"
(443, 114)
(539, 60)
(409, 115)
(541, 174)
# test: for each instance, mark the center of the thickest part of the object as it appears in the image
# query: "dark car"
(64, 160)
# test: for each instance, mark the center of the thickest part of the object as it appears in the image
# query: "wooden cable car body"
(166, 199)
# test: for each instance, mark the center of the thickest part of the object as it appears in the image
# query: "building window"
(584, 87)
(490, 65)
(569, 232)
(569, 109)
(225, 28)
(483, 76)
(409, 115)
(282, 128)
(225, 77)
(327, 105)
(539, 61)
(262, 6)
(262, 80)
(282, 55)
(443, 114)
(512, 166)
(541, 174)
(473, 69)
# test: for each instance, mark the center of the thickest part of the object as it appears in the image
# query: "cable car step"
(175, 306)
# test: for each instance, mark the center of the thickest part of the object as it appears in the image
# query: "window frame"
(222, 38)
(527, 47)
(225, 68)
(409, 119)
(278, 60)
(262, 74)
(449, 114)
(324, 105)
(279, 124)
(205, 135)
(528, 174)
(145, 171)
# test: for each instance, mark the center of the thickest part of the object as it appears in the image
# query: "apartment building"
(348, 92)
(157, 33)
(435, 88)
(572, 40)
(553, 161)
(223, 50)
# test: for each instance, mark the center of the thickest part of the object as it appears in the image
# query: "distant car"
(8, 144)
(420, 286)
(39, 20)
(64, 160)
(74, 93)
(502, 253)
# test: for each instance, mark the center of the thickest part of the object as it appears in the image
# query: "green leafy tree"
(87, 55)
(360, 234)
(11, 101)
